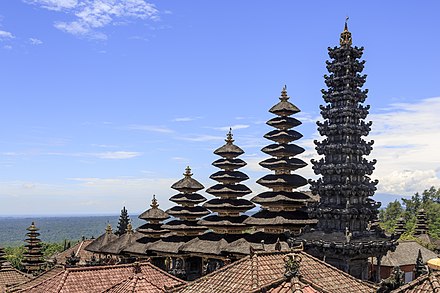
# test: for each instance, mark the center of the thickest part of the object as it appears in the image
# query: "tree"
(389, 216)
(124, 219)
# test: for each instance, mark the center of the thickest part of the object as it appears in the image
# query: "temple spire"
(154, 203)
(33, 256)
(154, 218)
(345, 35)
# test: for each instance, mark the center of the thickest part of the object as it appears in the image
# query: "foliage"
(429, 200)
(124, 220)
(14, 254)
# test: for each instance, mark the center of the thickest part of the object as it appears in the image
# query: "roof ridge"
(336, 269)
(163, 272)
(41, 282)
(63, 280)
(93, 268)
(254, 271)
(79, 248)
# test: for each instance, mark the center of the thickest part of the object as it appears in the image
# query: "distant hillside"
(56, 229)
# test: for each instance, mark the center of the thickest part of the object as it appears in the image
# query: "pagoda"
(282, 208)
(187, 211)
(421, 223)
(347, 233)
(33, 256)
(2, 257)
(228, 206)
(399, 229)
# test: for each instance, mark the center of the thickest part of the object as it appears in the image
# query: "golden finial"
(188, 172)
(229, 138)
(345, 39)
(129, 228)
(284, 96)
(154, 203)
(108, 229)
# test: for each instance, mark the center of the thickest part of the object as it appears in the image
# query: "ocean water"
(56, 229)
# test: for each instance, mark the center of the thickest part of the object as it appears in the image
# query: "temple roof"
(154, 213)
(169, 244)
(125, 240)
(239, 204)
(38, 279)
(425, 283)
(78, 250)
(280, 218)
(223, 221)
(229, 164)
(282, 197)
(102, 240)
(102, 278)
(406, 254)
(183, 198)
(286, 180)
(183, 226)
(187, 184)
(263, 271)
(10, 276)
(195, 211)
(153, 229)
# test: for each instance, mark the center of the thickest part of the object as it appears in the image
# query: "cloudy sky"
(105, 102)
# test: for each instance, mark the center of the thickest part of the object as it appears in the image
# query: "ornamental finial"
(229, 139)
(284, 96)
(154, 203)
(345, 39)
(188, 172)
(108, 229)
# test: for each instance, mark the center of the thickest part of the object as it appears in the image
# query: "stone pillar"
(379, 259)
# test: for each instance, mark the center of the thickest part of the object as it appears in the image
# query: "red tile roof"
(32, 282)
(293, 286)
(101, 278)
(10, 276)
(78, 250)
(423, 284)
(266, 270)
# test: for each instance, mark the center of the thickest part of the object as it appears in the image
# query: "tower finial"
(284, 96)
(154, 203)
(345, 39)
(188, 172)
(229, 138)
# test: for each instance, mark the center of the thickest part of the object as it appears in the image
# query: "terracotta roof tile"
(40, 278)
(78, 250)
(423, 284)
(261, 270)
(10, 276)
(101, 278)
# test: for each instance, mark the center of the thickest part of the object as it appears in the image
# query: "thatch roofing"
(406, 254)
(102, 240)
(118, 245)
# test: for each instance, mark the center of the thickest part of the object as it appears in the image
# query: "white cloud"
(35, 41)
(92, 15)
(202, 137)
(6, 35)
(7, 47)
(117, 155)
(185, 119)
(152, 128)
(56, 5)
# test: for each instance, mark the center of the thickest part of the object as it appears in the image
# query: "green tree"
(389, 216)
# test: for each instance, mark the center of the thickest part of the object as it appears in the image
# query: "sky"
(105, 102)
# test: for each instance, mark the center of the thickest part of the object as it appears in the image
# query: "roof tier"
(152, 229)
(282, 197)
(229, 191)
(229, 150)
(282, 180)
(283, 164)
(229, 164)
(284, 107)
(184, 227)
(154, 214)
(283, 122)
(280, 221)
(188, 212)
(229, 177)
(187, 184)
(228, 205)
(188, 198)
(282, 150)
(283, 136)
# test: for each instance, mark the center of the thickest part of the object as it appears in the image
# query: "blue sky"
(105, 102)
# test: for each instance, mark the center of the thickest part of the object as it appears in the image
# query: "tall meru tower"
(347, 233)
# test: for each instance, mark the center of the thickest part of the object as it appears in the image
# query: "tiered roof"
(228, 205)
(102, 240)
(421, 223)
(123, 241)
(102, 278)
(187, 211)
(78, 250)
(400, 227)
(2, 256)
(154, 217)
(282, 208)
(261, 272)
(33, 256)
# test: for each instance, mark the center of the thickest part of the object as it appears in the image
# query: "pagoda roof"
(102, 240)
(280, 218)
(285, 180)
(287, 197)
(169, 244)
(283, 136)
(262, 271)
(10, 276)
(229, 151)
(141, 245)
(154, 214)
(229, 176)
(229, 164)
(194, 198)
(229, 204)
(283, 122)
(187, 184)
(102, 278)
(223, 221)
(195, 211)
(282, 150)
(150, 228)
(283, 163)
(208, 244)
(183, 226)
(123, 241)
(236, 190)
(284, 108)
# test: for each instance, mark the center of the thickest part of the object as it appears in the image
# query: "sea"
(57, 229)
